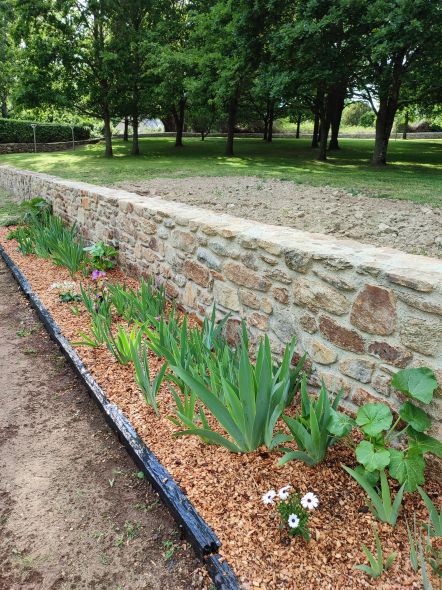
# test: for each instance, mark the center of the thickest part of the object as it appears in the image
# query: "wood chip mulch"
(226, 488)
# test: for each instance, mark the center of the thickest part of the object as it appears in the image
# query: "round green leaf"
(371, 458)
(374, 418)
(418, 441)
(407, 468)
(339, 424)
(415, 417)
(417, 383)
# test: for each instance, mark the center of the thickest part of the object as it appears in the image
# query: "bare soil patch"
(74, 515)
(405, 225)
(226, 488)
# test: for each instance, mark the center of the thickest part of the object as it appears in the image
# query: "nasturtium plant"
(375, 452)
(374, 418)
(370, 457)
(419, 384)
(407, 467)
(415, 417)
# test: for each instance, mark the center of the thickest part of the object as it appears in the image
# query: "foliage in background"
(15, 131)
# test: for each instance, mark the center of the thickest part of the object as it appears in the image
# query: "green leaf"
(371, 458)
(372, 477)
(417, 383)
(424, 443)
(339, 424)
(408, 468)
(415, 417)
(374, 418)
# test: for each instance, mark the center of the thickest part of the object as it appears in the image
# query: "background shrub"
(13, 131)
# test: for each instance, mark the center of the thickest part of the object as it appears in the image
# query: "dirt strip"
(74, 514)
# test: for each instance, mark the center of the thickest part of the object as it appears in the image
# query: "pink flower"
(98, 274)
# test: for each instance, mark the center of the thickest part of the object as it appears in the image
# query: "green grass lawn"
(414, 171)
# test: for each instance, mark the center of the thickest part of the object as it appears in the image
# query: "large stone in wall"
(374, 310)
(394, 354)
(358, 368)
(422, 335)
(197, 272)
(341, 336)
(241, 275)
(226, 296)
(315, 295)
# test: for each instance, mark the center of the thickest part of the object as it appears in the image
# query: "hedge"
(13, 131)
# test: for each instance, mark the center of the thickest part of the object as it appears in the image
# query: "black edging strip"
(203, 540)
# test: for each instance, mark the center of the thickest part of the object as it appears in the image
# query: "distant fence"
(410, 135)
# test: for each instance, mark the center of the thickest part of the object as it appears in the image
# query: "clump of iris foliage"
(39, 232)
(241, 397)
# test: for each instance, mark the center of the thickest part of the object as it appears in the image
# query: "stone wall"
(361, 312)
(58, 146)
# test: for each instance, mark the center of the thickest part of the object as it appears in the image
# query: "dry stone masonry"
(360, 312)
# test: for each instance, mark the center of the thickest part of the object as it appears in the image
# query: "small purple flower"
(98, 274)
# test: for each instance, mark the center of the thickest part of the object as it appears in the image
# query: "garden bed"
(227, 488)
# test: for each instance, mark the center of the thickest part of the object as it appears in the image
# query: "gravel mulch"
(226, 488)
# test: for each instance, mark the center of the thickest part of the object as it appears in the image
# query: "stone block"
(298, 260)
(421, 335)
(249, 299)
(358, 368)
(183, 240)
(391, 353)
(322, 354)
(258, 320)
(281, 294)
(226, 296)
(315, 295)
(308, 322)
(241, 275)
(341, 336)
(374, 310)
(197, 272)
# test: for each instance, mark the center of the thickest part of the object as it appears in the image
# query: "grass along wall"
(360, 312)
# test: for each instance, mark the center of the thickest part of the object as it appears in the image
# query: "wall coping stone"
(320, 246)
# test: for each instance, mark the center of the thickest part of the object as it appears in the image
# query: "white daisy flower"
(293, 521)
(284, 492)
(269, 497)
(309, 501)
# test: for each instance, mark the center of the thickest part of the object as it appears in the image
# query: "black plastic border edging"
(200, 535)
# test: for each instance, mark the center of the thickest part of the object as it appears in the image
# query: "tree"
(68, 58)
(404, 43)
(8, 55)
(228, 38)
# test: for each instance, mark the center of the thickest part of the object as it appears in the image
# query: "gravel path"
(400, 224)
(74, 515)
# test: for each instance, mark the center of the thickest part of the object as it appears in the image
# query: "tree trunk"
(384, 123)
(233, 107)
(266, 128)
(178, 116)
(270, 124)
(169, 124)
(203, 136)
(126, 129)
(336, 116)
(404, 132)
(319, 99)
(323, 138)
(298, 126)
(135, 143)
(107, 135)
(315, 138)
